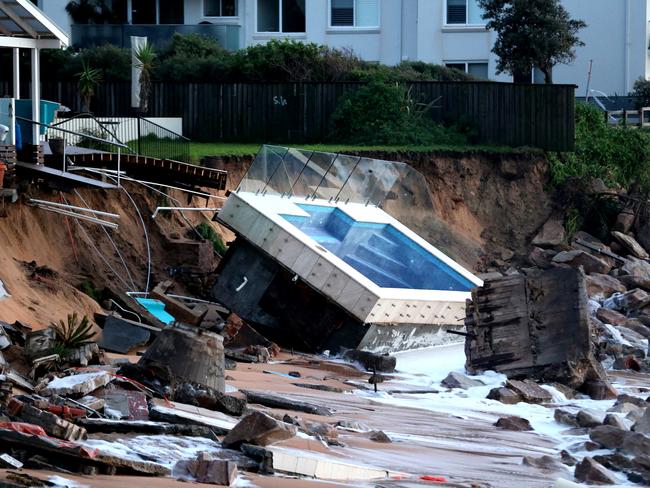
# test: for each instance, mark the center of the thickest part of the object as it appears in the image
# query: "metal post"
(138, 131)
(119, 154)
(16, 73)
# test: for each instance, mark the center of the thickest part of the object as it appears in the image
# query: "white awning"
(24, 25)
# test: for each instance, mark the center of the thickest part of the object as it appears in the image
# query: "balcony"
(86, 35)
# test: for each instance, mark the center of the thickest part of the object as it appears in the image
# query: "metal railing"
(141, 136)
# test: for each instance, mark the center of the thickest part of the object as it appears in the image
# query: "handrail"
(165, 128)
(86, 115)
(80, 134)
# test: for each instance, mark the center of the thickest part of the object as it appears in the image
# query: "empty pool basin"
(157, 309)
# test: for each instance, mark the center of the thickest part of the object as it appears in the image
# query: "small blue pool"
(378, 251)
(157, 309)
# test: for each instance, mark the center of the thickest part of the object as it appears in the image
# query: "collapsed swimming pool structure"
(345, 226)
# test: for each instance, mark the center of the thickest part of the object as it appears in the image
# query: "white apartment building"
(450, 32)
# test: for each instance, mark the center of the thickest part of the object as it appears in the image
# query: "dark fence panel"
(502, 113)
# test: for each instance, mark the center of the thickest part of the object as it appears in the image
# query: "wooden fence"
(502, 113)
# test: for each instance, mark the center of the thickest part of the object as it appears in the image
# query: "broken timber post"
(533, 325)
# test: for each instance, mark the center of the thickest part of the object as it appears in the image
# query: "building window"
(354, 13)
(466, 12)
(281, 16)
(477, 70)
(219, 8)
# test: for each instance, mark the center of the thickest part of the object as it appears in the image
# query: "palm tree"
(89, 78)
(145, 57)
(82, 11)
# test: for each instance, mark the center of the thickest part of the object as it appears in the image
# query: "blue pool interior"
(378, 251)
(156, 308)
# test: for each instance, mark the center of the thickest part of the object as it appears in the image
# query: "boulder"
(608, 436)
(643, 424)
(567, 458)
(609, 316)
(625, 398)
(638, 327)
(634, 281)
(504, 395)
(206, 469)
(589, 418)
(530, 391)
(592, 472)
(577, 258)
(543, 462)
(542, 258)
(259, 429)
(566, 418)
(628, 362)
(635, 267)
(615, 421)
(551, 234)
(459, 380)
(636, 444)
(513, 423)
(380, 436)
(603, 285)
(631, 244)
(615, 462)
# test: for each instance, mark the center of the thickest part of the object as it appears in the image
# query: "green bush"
(114, 63)
(618, 155)
(209, 234)
(641, 89)
(385, 114)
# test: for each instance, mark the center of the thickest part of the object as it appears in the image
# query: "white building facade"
(450, 32)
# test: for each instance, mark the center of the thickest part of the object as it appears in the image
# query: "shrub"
(71, 334)
(618, 155)
(641, 90)
(385, 114)
(208, 233)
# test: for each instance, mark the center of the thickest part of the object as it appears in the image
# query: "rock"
(513, 423)
(642, 461)
(624, 221)
(566, 418)
(615, 462)
(608, 436)
(494, 275)
(210, 399)
(631, 245)
(504, 395)
(615, 421)
(603, 285)
(627, 363)
(542, 258)
(633, 281)
(598, 389)
(459, 380)
(380, 436)
(624, 407)
(567, 458)
(589, 471)
(382, 363)
(259, 429)
(207, 469)
(609, 316)
(577, 258)
(643, 424)
(589, 418)
(77, 385)
(636, 444)
(635, 267)
(551, 234)
(543, 462)
(530, 391)
(638, 327)
(625, 398)
(635, 415)
(321, 429)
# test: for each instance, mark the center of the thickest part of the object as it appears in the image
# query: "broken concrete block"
(39, 343)
(591, 472)
(578, 258)
(530, 391)
(6, 461)
(607, 436)
(210, 399)
(192, 355)
(123, 404)
(80, 384)
(459, 380)
(513, 423)
(551, 234)
(121, 335)
(52, 424)
(207, 469)
(631, 244)
(179, 413)
(504, 395)
(277, 401)
(259, 429)
(382, 363)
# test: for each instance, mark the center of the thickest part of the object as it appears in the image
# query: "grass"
(199, 150)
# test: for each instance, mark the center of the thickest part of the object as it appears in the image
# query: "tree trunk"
(548, 74)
